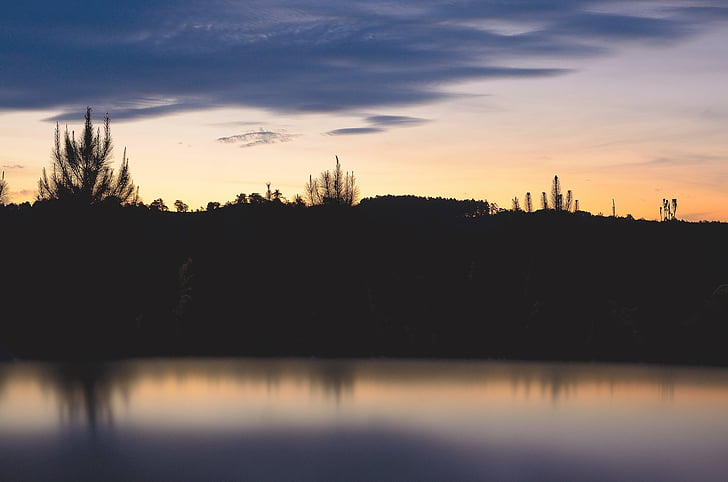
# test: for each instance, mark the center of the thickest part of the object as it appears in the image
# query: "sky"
(465, 99)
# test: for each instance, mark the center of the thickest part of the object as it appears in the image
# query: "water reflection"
(189, 419)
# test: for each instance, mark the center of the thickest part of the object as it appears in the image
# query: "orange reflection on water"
(235, 394)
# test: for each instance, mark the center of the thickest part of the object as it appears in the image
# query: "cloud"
(623, 27)
(704, 13)
(698, 216)
(13, 166)
(140, 59)
(354, 131)
(235, 124)
(395, 120)
(23, 195)
(131, 113)
(379, 123)
(686, 159)
(257, 138)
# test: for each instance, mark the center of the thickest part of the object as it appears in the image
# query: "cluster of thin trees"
(332, 188)
(556, 201)
(81, 172)
(668, 210)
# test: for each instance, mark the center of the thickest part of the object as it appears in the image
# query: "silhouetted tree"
(529, 203)
(516, 205)
(181, 207)
(556, 197)
(273, 196)
(576, 205)
(158, 205)
(212, 205)
(544, 201)
(241, 199)
(81, 168)
(569, 200)
(3, 190)
(298, 201)
(668, 210)
(332, 187)
(255, 198)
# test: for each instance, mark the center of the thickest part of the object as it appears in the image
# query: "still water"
(304, 420)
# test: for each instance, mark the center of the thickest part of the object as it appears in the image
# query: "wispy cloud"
(699, 216)
(13, 166)
(354, 131)
(257, 138)
(141, 59)
(690, 159)
(22, 195)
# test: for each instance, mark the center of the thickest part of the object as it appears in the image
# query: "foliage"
(81, 169)
(181, 207)
(158, 205)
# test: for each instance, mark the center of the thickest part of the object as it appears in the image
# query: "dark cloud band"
(163, 57)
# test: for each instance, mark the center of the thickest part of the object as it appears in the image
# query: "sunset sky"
(465, 99)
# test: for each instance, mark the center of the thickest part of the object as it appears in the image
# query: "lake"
(298, 420)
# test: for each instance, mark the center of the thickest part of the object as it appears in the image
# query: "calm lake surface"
(303, 420)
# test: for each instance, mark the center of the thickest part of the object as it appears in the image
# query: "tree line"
(81, 174)
(392, 276)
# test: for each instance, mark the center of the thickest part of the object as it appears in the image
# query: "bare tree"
(81, 168)
(569, 200)
(516, 204)
(332, 187)
(544, 201)
(312, 192)
(529, 203)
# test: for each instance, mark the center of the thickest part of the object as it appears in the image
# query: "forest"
(90, 271)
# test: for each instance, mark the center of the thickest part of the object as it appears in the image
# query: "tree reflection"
(85, 391)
